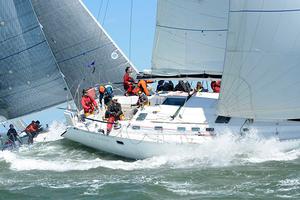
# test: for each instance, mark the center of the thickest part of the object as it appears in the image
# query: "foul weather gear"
(142, 85)
(88, 104)
(128, 82)
(216, 86)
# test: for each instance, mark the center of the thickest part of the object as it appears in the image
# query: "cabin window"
(173, 101)
(158, 128)
(182, 129)
(136, 127)
(222, 119)
(120, 142)
(195, 129)
(141, 117)
(210, 129)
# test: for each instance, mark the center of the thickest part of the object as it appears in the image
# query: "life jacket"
(109, 90)
(31, 128)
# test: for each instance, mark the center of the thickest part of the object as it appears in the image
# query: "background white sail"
(29, 77)
(83, 50)
(262, 68)
(190, 37)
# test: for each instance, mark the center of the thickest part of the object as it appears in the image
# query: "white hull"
(139, 139)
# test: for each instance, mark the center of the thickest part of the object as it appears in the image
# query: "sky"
(114, 16)
(116, 21)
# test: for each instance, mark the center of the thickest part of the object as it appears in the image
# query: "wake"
(226, 150)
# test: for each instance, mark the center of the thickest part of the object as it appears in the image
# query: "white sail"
(262, 65)
(190, 37)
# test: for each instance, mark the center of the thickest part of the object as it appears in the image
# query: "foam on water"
(225, 150)
(55, 130)
(22, 163)
(232, 150)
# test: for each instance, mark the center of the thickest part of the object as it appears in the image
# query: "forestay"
(84, 52)
(190, 37)
(29, 77)
(261, 73)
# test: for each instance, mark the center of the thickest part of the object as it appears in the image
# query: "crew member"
(32, 130)
(113, 113)
(200, 88)
(12, 134)
(216, 86)
(142, 85)
(128, 82)
(88, 104)
(142, 100)
(105, 92)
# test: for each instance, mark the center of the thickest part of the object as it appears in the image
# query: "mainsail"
(83, 50)
(29, 77)
(262, 65)
(190, 37)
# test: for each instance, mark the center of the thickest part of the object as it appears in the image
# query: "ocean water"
(226, 168)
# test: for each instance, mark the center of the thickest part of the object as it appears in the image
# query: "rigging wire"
(130, 28)
(99, 10)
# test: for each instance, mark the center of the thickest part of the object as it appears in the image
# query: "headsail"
(29, 77)
(190, 37)
(262, 67)
(84, 52)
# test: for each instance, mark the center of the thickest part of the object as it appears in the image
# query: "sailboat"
(30, 79)
(252, 46)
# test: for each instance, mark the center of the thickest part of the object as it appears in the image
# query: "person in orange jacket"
(88, 104)
(142, 85)
(32, 130)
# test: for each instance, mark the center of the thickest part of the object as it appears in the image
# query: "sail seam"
(83, 53)
(22, 50)
(28, 30)
(190, 29)
(37, 86)
(267, 11)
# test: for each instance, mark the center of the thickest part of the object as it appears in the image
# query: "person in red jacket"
(128, 82)
(32, 130)
(216, 86)
(88, 104)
